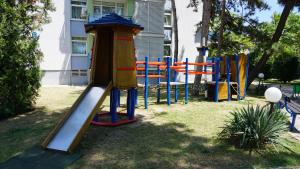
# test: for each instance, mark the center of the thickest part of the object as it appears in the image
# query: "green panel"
(130, 6)
(90, 7)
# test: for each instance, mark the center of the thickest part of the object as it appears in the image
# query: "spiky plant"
(254, 127)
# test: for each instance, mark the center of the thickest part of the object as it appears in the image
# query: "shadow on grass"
(23, 131)
(170, 145)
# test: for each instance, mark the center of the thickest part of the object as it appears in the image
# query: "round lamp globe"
(273, 94)
(261, 75)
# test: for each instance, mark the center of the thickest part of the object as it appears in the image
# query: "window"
(167, 50)
(79, 46)
(79, 73)
(168, 35)
(104, 8)
(78, 9)
(167, 20)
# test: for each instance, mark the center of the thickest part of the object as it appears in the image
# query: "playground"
(139, 114)
(177, 136)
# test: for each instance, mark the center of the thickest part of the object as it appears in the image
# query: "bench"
(291, 106)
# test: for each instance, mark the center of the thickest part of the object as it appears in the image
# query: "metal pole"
(186, 80)
(146, 83)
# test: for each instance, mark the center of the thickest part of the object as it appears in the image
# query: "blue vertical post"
(131, 94)
(292, 125)
(228, 77)
(128, 106)
(113, 105)
(175, 76)
(118, 97)
(213, 69)
(136, 98)
(237, 75)
(158, 81)
(186, 80)
(168, 81)
(146, 83)
(247, 71)
(216, 73)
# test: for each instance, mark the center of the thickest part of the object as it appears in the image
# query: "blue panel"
(79, 62)
(77, 28)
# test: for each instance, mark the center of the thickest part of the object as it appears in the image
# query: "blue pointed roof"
(113, 19)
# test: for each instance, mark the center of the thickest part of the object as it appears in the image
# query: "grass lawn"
(179, 136)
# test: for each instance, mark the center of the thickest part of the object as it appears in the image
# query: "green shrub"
(286, 67)
(19, 54)
(254, 127)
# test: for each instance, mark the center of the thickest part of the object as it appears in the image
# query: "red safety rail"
(196, 64)
(151, 76)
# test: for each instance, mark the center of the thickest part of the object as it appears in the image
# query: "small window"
(167, 50)
(104, 8)
(79, 9)
(167, 20)
(79, 46)
(168, 35)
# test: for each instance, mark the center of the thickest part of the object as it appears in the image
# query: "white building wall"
(55, 43)
(188, 38)
(150, 15)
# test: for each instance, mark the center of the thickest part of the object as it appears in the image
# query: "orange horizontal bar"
(140, 68)
(194, 63)
(179, 63)
(156, 63)
(140, 62)
(180, 70)
(156, 76)
(201, 64)
(200, 73)
(177, 67)
(151, 76)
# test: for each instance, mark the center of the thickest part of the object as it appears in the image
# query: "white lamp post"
(273, 95)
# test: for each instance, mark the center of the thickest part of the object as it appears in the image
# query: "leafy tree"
(204, 28)
(288, 7)
(233, 15)
(286, 66)
(19, 53)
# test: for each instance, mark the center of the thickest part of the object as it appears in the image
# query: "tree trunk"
(221, 30)
(175, 29)
(276, 36)
(207, 5)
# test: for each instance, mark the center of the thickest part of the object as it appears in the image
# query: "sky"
(266, 16)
